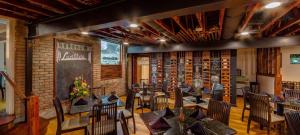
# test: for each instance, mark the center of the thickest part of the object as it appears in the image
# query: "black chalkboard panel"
(73, 59)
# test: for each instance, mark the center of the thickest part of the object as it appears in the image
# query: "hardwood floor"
(235, 122)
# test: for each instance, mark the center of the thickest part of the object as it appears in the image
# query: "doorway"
(141, 72)
(3, 28)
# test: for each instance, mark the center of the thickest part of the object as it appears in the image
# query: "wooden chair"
(178, 98)
(160, 102)
(146, 96)
(123, 123)
(219, 110)
(291, 93)
(254, 87)
(217, 95)
(293, 122)
(69, 125)
(245, 91)
(104, 119)
(128, 112)
(261, 112)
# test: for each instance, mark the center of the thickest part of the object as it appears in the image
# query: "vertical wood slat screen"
(267, 61)
(189, 68)
(173, 75)
(206, 69)
(225, 74)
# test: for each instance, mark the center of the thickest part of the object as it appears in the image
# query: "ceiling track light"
(84, 33)
(133, 25)
(273, 5)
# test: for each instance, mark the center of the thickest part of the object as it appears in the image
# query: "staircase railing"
(18, 92)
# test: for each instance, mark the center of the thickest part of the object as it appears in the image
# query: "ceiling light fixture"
(162, 40)
(273, 5)
(133, 25)
(84, 33)
(245, 33)
(125, 43)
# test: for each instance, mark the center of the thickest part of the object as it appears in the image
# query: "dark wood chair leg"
(269, 126)
(133, 121)
(243, 114)
(261, 127)
(248, 126)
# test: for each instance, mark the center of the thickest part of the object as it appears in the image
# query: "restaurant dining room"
(158, 67)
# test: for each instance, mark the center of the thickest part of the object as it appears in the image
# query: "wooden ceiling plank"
(159, 23)
(249, 15)
(150, 29)
(290, 23)
(69, 3)
(24, 6)
(200, 18)
(18, 11)
(293, 30)
(13, 15)
(279, 15)
(177, 20)
(221, 21)
(47, 5)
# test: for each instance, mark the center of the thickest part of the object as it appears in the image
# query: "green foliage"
(80, 89)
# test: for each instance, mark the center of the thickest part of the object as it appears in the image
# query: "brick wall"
(43, 68)
(20, 34)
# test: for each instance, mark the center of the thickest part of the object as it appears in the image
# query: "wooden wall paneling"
(225, 74)
(206, 69)
(189, 68)
(173, 74)
(197, 65)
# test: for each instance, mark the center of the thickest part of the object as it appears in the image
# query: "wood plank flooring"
(235, 122)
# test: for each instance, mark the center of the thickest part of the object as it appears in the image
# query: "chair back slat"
(293, 122)
(59, 113)
(219, 110)
(178, 98)
(260, 109)
(245, 91)
(254, 87)
(130, 101)
(123, 123)
(104, 119)
(160, 102)
(291, 93)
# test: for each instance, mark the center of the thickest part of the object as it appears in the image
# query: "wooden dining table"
(213, 127)
(190, 101)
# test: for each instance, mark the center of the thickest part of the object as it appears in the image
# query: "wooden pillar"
(278, 76)
(33, 120)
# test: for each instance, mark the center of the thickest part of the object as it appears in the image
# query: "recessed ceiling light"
(133, 25)
(84, 33)
(125, 43)
(273, 5)
(162, 40)
(245, 33)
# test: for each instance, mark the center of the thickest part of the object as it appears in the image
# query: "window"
(110, 53)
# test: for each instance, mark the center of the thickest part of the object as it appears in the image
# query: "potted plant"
(80, 92)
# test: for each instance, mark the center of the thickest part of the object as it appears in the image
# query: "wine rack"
(206, 69)
(153, 70)
(215, 65)
(173, 74)
(225, 74)
(188, 68)
(159, 70)
(181, 68)
(197, 65)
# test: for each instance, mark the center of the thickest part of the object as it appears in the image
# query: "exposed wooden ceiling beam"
(47, 5)
(177, 20)
(249, 15)
(290, 23)
(69, 3)
(103, 32)
(18, 11)
(167, 29)
(221, 21)
(280, 14)
(200, 18)
(293, 30)
(150, 29)
(23, 5)
(14, 15)
(135, 36)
